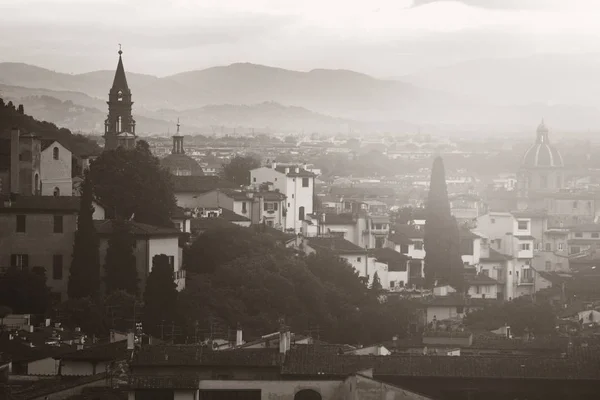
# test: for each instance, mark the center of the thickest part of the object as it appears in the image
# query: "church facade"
(119, 126)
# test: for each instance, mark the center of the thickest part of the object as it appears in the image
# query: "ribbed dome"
(181, 162)
(542, 154)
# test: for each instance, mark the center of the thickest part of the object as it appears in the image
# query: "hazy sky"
(380, 37)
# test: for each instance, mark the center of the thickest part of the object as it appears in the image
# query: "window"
(244, 209)
(392, 284)
(55, 153)
(575, 249)
(19, 261)
(404, 248)
(485, 272)
(172, 261)
(304, 182)
(524, 246)
(560, 246)
(58, 224)
(301, 213)
(275, 206)
(460, 310)
(595, 235)
(418, 245)
(57, 267)
(358, 259)
(548, 246)
(292, 195)
(253, 179)
(575, 204)
(523, 225)
(548, 265)
(56, 192)
(578, 234)
(21, 223)
(493, 220)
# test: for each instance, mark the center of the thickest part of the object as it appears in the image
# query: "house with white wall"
(355, 256)
(409, 240)
(296, 183)
(55, 169)
(149, 242)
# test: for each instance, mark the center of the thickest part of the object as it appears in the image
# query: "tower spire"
(120, 81)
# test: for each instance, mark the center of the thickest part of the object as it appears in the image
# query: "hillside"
(491, 96)
(10, 117)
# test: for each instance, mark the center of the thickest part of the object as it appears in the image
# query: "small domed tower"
(542, 167)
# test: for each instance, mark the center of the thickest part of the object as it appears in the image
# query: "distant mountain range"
(484, 96)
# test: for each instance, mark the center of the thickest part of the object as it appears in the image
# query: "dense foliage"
(256, 283)
(25, 291)
(132, 183)
(521, 314)
(11, 116)
(443, 262)
(160, 296)
(120, 264)
(84, 275)
(237, 170)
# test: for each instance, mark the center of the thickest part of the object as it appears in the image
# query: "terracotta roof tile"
(338, 245)
(106, 227)
(198, 355)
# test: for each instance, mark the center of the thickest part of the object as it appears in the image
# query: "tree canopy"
(237, 170)
(24, 291)
(443, 262)
(84, 275)
(160, 296)
(520, 314)
(120, 263)
(132, 183)
(256, 283)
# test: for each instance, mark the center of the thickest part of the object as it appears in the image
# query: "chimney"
(239, 337)
(130, 341)
(47, 322)
(14, 161)
(284, 340)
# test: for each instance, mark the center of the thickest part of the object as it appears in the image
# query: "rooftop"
(495, 256)
(196, 355)
(199, 184)
(336, 244)
(107, 226)
(103, 352)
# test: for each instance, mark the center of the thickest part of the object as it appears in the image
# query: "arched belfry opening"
(308, 394)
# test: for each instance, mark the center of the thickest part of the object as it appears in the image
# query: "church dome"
(542, 154)
(182, 164)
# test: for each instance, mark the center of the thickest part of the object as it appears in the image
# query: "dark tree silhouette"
(131, 182)
(120, 263)
(84, 277)
(160, 296)
(443, 262)
(20, 109)
(238, 169)
(24, 291)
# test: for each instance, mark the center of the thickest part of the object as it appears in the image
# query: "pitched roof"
(199, 184)
(107, 226)
(404, 233)
(41, 204)
(103, 352)
(387, 255)
(336, 244)
(495, 256)
(18, 351)
(480, 280)
(304, 361)
(338, 219)
(188, 355)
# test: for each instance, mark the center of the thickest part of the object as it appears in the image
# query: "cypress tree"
(84, 275)
(160, 296)
(120, 263)
(443, 262)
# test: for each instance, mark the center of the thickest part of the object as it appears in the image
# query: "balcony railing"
(526, 281)
(177, 275)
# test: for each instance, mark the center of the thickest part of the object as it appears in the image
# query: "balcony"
(525, 281)
(178, 275)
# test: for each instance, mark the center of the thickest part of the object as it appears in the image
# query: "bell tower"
(119, 122)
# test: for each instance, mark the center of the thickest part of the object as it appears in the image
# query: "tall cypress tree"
(160, 296)
(443, 262)
(120, 263)
(84, 275)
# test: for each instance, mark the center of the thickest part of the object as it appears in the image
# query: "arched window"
(56, 192)
(37, 183)
(55, 153)
(307, 394)
(301, 213)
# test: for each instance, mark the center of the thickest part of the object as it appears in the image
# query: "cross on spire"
(178, 125)
(120, 51)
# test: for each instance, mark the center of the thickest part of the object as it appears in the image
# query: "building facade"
(56, 169)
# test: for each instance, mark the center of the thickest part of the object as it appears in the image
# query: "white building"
(296, 183)
(55, 169)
